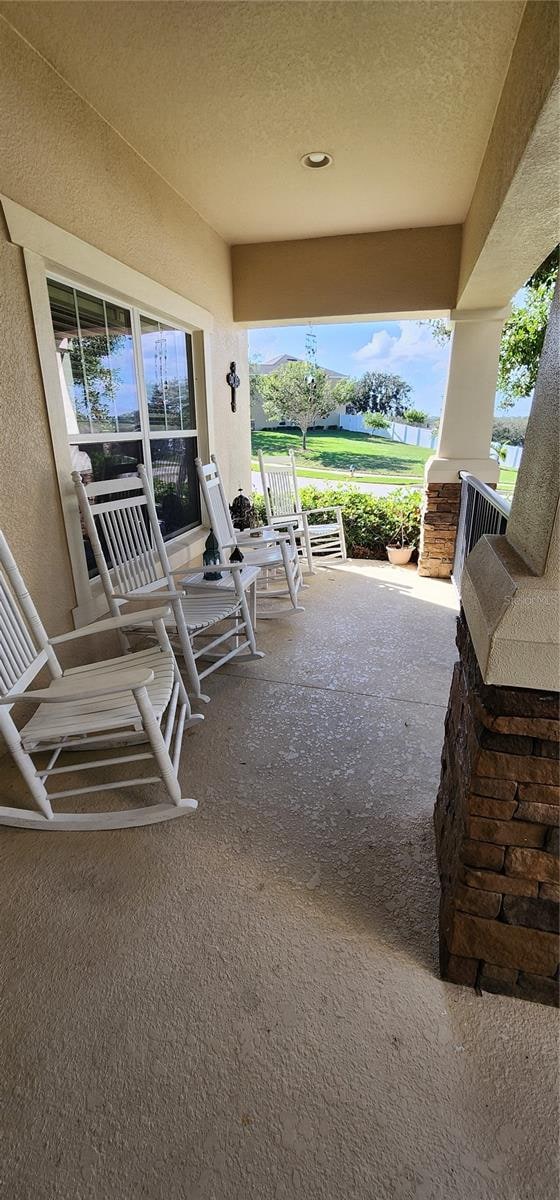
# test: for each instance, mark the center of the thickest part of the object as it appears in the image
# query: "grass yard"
(339, 449)
(331, 452)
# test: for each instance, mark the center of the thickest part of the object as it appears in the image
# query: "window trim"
(51, 252)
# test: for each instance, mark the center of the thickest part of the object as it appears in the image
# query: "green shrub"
(415, 416)
(370, 522)
(376, 421)
(257, 501)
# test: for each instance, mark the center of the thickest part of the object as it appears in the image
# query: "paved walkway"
(245, 1004)
(373, 489)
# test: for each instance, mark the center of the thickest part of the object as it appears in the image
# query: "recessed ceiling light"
(318, 158)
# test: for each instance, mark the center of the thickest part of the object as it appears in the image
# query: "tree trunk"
(304, 439)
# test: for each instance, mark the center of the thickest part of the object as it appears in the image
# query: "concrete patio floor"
(245, 1004)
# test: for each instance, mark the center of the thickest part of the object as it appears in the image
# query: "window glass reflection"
(175, 484)
(168, 375)
(93, 340)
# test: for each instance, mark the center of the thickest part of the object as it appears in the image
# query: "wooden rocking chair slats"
(132, 698)
(272, 553)
(316, 542)
(134, 566)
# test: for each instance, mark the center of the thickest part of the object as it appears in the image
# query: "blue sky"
(405, 348)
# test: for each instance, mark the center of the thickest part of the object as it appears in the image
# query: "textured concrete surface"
(295, 84)
(245, 1005)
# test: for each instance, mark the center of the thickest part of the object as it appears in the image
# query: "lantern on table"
(210, 556)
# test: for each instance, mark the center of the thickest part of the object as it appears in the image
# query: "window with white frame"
(127, 385)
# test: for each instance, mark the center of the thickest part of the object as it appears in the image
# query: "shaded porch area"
(246, 1005)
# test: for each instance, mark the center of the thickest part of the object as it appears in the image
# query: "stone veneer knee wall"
(440, 517)
(496, 822)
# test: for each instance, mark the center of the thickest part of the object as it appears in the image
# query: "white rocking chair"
(282, 503)
(140, 570)
(133, 698)
(273, 552)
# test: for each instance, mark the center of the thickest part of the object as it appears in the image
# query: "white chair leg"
(24, 763)
(292, 575)
(156, 739)
(254, 604)
(249, 630)
(308, 550)
(342, 536)
(188, 653)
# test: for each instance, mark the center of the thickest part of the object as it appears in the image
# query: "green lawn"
(338, 450)
(331, 452)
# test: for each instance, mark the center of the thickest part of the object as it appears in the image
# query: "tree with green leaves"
(415, 416)
(297, 393)
(374, 392)
(343, 392)
(94, 377)
(255, 378)
(510, 429)
(376, 421)
(522, 336)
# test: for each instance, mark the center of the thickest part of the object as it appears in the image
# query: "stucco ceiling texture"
(222, 99)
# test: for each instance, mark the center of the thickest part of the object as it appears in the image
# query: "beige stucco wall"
(537, 492)
(510, 585)
(512, 223)
(61, 160)
(400, 271)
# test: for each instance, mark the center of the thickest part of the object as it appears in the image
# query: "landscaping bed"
(370, 522)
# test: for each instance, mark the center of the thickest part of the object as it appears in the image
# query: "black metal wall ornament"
(233, 381)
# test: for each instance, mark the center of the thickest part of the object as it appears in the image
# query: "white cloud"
(413, 344)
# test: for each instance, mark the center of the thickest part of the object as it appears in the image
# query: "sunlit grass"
(330, 454)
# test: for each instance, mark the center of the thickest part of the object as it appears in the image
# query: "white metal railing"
(482, 511)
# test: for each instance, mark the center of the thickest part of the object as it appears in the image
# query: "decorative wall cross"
(233, 381)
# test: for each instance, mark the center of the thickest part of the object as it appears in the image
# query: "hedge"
(370, 522)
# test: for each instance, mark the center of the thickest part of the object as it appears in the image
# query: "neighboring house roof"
(268, 368)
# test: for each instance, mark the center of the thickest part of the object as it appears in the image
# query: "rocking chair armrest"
(215, 566)
(109, 623)
(144, 597)
(106, 685)
(323, 508)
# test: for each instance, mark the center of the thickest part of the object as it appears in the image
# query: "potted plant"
(402, 539)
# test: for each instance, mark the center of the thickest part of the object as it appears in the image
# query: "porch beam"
(363, 275)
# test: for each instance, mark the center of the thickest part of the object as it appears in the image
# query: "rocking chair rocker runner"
(282, 504)
(124, 514)
(272, 552)
(132, 698)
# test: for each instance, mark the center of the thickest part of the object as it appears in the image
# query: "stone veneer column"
(440, 517)
(498, 807)
(465, 433)
(496, 822)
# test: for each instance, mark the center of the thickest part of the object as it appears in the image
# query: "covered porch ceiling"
(440, 118)
(223, 99)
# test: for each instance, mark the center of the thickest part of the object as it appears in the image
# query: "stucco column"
(511, 584)
(465, 432)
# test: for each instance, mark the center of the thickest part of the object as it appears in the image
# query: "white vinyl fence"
(415, 435)
(410, 435)
(513, 457)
